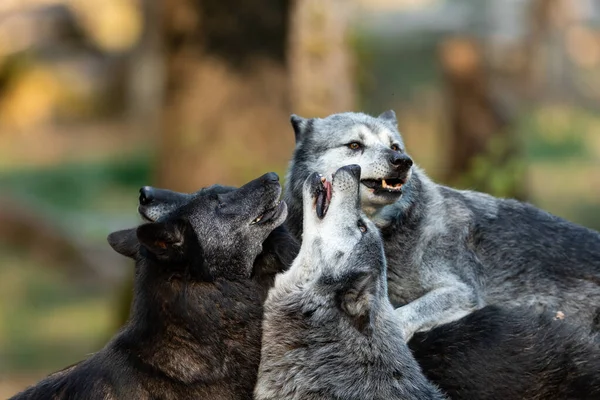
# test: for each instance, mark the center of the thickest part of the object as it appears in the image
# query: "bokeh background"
(100, 97)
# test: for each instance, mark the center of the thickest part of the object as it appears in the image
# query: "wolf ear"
(163, 239)
(300, 126)
(124, 242)
(356, 299)
(390, 116)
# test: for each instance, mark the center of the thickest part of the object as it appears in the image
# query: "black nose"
(353, 169)
(270, 177)
(401, 161)
(146, 195)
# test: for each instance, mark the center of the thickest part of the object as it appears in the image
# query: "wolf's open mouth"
(269, 214)
(322, 197)
(391, 185)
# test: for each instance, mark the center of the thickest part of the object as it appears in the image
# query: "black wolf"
(202, 274)
(498, 353)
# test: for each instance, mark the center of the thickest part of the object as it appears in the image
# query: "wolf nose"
(146, 195)
(401, 161)
(271, 177)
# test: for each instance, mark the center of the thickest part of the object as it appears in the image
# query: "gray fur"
(449, 251)
(329, 330)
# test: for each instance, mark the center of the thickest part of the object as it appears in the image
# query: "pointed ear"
(390, 116)
(356, 299)
(163, 239)
(124, 242)
(300, 126)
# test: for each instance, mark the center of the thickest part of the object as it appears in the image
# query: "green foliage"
(77, 186)
(500, 171)
(557, 133)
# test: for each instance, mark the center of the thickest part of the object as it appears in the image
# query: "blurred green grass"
(46, 321)
(558, 133)
(80, 186)
(88, 199)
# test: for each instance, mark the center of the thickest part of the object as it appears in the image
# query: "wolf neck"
(305, 268)
(181, 317)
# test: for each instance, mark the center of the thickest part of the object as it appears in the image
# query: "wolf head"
(325, 144)
(341, 247)
(216, 232)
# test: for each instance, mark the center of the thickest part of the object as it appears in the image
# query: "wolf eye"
(395, 147)
(354, 145)
(362, 226)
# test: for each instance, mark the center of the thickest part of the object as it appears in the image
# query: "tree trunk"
(484, 154)
(320, 63)
(226, 117)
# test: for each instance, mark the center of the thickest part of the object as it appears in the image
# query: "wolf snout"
(270, 178)
(146, 195)
(353, 170)
(400, 161)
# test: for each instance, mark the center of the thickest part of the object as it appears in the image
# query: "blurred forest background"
(100, 97)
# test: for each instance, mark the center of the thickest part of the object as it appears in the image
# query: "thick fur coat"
(202, 274)
(329, 329)
(449, 252)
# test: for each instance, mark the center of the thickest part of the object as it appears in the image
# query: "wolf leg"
(438, 307)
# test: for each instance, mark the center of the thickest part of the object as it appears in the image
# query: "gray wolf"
(195, 325)
(449, 252)
(329, 330)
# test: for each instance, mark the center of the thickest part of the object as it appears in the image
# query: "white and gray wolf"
(493, 353)
(200, 283)
(449, 252)
(329, 330)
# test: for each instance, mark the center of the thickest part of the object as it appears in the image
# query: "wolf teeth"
(257, 219)
(385, 185)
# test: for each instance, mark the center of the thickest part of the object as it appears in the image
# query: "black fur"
(195, 325)
(497, 353)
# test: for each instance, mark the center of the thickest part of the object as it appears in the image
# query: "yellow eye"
(395, 147)
(354, 145)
